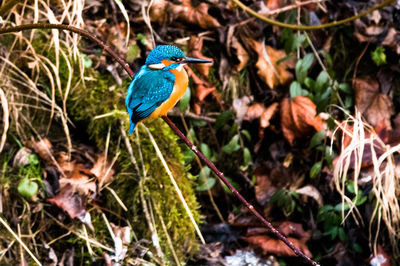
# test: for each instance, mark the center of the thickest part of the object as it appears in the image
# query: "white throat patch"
(157, 66)
(180, 67)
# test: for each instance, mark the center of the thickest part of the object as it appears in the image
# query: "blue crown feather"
(161, 52)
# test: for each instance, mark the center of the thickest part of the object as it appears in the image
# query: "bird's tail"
(131, 127)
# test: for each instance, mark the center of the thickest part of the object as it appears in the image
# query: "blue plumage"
(154, 83)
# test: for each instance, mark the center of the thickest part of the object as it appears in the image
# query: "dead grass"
(385, 178)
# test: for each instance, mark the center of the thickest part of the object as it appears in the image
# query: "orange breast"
(181, 84)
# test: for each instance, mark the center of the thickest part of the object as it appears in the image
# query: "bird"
(159, 84)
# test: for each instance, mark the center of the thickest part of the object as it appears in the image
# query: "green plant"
(285, 200)
(31, 175)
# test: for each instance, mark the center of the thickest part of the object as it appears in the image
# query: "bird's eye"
(174, 58)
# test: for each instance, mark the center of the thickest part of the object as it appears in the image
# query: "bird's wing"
(148, 90)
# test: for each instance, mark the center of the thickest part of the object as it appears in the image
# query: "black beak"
(195, 61)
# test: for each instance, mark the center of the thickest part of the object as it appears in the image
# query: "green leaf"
(27, 188)
(322, 81)
(234, 184)
(205, 150)
(379, 56)
(246, 158)
(132, 53)
(317, 139)
(206, 185)
(223, 118)
(310, 83)
(303, 66)
(232, 146)
(205, 181)
(246, 133)
(185, 100)
(342, 234)
(87, 62)
(345, 87)
(188, 155)
(315, 169)
(296, 90)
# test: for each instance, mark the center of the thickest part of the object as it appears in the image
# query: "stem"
(220, 175)
(305, 27)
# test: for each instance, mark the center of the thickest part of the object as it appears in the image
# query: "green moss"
(102, 96)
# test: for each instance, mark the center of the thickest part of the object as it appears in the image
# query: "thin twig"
(315, 27)
(170, 123)
(290, 7)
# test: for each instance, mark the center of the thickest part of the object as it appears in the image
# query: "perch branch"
(220, 175)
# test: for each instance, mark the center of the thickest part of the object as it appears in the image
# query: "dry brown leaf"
(71, 202)
(202, 89)
(43, 148)
(195, 50)
(163, 12)
(312, 192)
(258, 110)
(392, 40)
(270, 180)
(269, 71)
(103, 170)
(289, 228)
(299, 119)
(241, 54)
(374, 105)
(275, 246)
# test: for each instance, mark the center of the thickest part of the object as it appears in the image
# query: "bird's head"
(169, 56)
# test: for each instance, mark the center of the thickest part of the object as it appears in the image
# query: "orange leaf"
(269, 71)
(265, 114)
(194, 49)
(275, 246)
(241, 54)
(299, 119)
(164, 12)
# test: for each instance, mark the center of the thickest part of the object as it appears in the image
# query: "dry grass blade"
(19, 241)
(385, 178)
(178, 191)
(6, 114)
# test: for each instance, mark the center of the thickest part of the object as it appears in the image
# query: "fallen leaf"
(289, 228)
(103, 170)
(392, 40)
(195, 50)
(241, 54)
(122, 238)
(43, 148)
(202, 89)
(274, 4)
(269, 180)
(70, 201)
(299, 118)
(164, 12)
(269, 71)
(374, 105)
(275, 246)
(312, 192)
(265, 114)
(22, 157)
(241, 105)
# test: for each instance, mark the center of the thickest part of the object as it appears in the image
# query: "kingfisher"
(159, 84)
